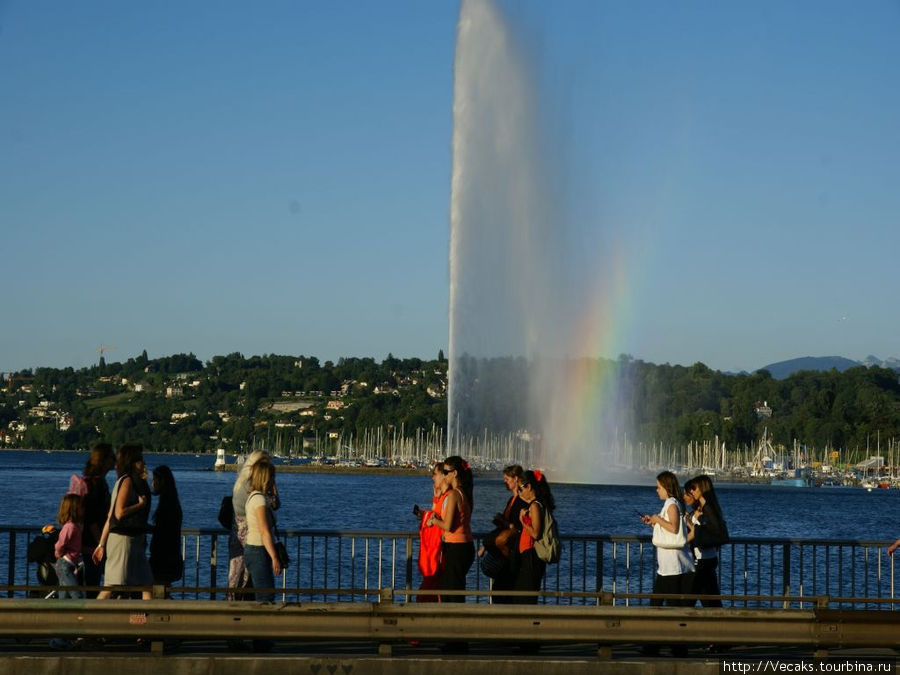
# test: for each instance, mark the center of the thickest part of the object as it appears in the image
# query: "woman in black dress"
(165, 547)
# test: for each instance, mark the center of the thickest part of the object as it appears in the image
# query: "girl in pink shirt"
(68, 546)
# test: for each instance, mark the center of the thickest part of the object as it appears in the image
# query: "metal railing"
(353, 566)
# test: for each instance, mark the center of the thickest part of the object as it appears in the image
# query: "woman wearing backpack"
(534, 491)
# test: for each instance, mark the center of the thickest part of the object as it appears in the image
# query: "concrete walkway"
(214, 658)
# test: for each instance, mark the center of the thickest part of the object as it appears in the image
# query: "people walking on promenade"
(96, 501)
(123, 540)
(502, 544)
(535, 492)
(706, 533)
(454, 519)
(260, 556)
(68, 547)
(674, 567)
(430, 562)
(166, 562)
(238, 577)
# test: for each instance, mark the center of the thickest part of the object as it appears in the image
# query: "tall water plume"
(518, 311)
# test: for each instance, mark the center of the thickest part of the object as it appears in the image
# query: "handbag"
(492, 564)
(226, 512)
(505, 539)
(662, 538)
(135, 524)
(281, 551)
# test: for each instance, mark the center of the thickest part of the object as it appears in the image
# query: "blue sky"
(219, 177)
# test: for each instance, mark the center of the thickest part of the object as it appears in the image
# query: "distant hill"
(889, 362)
(783, 369)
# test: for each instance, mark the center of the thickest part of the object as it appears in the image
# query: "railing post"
(11, 563)
(213, 560)
(786, 573)
(409, 562)
(599, 571)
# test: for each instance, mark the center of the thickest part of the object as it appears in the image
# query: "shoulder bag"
(662, 538)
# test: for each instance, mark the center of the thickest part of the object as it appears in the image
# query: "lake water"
(31, 484)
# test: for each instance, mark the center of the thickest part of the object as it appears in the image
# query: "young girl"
(68, 546)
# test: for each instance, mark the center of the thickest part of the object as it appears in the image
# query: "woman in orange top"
(458, 548)
(534, 490)
(430, 536)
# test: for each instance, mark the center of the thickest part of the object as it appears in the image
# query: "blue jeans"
(258, 563)
(66, 572)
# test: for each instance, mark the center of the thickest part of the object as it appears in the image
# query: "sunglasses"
(522, 486)
(446, 471)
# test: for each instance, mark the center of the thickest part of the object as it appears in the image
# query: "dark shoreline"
(335, 469)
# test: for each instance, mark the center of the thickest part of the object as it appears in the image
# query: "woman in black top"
(504, 539)
(707, 531)
(165, 547)
(96, 507)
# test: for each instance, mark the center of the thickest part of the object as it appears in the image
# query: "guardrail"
(352, 566)
(385, 623)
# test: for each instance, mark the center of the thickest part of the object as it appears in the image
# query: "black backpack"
(41, 550)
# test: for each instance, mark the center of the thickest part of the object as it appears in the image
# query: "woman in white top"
(674, 567)
(238, 576)
(259, 551)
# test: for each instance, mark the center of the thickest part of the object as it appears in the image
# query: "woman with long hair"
(166, 562)
(123, 539)
(535, 492)
(96, 507)
(259, 551)
(430, 563)
(457, 547)
(260, 556)
(706, 532)
(238, 577)
(503, 541)
(674, 567)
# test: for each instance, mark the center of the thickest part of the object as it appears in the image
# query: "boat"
(800, 478)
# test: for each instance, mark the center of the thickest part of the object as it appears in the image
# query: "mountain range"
(783, 369)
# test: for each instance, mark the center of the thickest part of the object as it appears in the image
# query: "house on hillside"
(763, 410)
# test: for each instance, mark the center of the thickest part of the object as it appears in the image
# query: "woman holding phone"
(674, 567)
